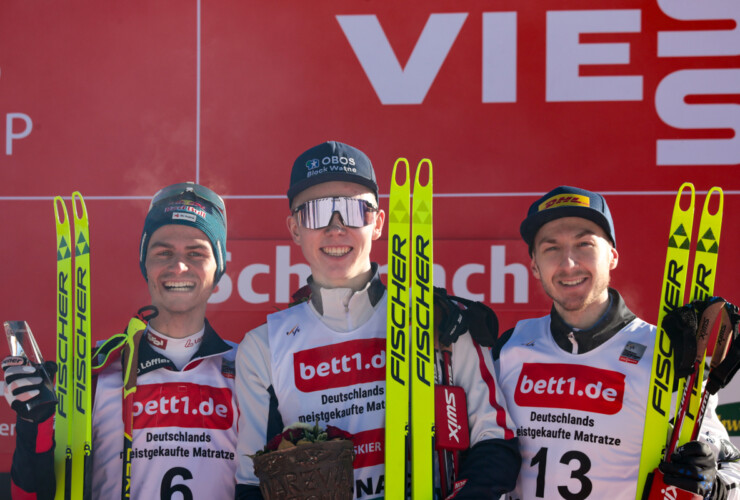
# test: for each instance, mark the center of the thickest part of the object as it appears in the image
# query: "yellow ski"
(422, 346)
(672, 296)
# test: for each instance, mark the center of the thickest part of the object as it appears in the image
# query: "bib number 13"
(579, 463)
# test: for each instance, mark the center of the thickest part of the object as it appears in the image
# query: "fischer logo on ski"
(397, 339)
(73, 433)
(410, 336)
(672, 297)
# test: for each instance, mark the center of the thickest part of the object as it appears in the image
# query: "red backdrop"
(508, 100)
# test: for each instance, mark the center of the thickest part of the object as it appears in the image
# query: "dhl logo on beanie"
(565, 200)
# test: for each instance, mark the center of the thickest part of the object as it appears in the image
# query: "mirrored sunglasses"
(316, 214)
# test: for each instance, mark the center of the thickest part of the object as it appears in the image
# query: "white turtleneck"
(179, 351)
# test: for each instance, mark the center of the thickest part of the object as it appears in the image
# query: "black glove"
(681, 326)
(453, 316)
(693, 467)
(23, 383)
(449, 319)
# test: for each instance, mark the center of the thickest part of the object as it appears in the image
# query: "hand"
(454, 316)
(23, 382)
(693, 467)
(681, 325)
(449, 318)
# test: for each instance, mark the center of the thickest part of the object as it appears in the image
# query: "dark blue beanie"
(188, 204)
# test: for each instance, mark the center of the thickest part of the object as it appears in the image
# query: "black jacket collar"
(616, 317)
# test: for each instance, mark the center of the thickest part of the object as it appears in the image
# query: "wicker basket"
(316, 471)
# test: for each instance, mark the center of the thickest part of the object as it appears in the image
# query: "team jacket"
(578, 399)
(184, 435)
(324, 360)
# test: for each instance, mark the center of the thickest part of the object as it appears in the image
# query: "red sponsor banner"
(369, 448)
(184, 405)
(573, 387)
(339, 365)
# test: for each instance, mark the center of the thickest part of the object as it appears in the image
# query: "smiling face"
(339, 256)
(180, 268)
(573, 258)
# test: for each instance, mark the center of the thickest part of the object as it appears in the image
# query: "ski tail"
(422, 346)
(397, 339)
(81, 411)
(672, 295)
(63, 420)
(702, 287)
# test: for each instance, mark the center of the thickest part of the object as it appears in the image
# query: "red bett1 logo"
(185, 405)
(339, 365)
(572, 387)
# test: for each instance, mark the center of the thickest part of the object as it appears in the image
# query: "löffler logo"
(573, 387)
(339, 365)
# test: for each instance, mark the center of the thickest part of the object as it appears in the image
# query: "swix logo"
(339, 365)
(573, 387)
(156, 341)
(183, 405)
(452, 426)
(570, 200)
(450, 415)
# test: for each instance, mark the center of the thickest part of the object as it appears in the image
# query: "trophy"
(22, 344)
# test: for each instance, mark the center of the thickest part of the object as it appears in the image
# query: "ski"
(62, 422)
(702, 287)
(657, 411)
(73, 419)
(409, 429)
(397, 339)
(422, 346)
(82, 408)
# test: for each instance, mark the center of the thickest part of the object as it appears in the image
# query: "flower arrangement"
(306, 462)
(299, 434)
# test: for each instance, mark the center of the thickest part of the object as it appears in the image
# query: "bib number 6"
(167, 489)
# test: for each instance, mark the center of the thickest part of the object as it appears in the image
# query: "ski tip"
(60, 211)
(682, 191)
(717, 194)
(82, 214)
(401, 165)
(420, 170)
